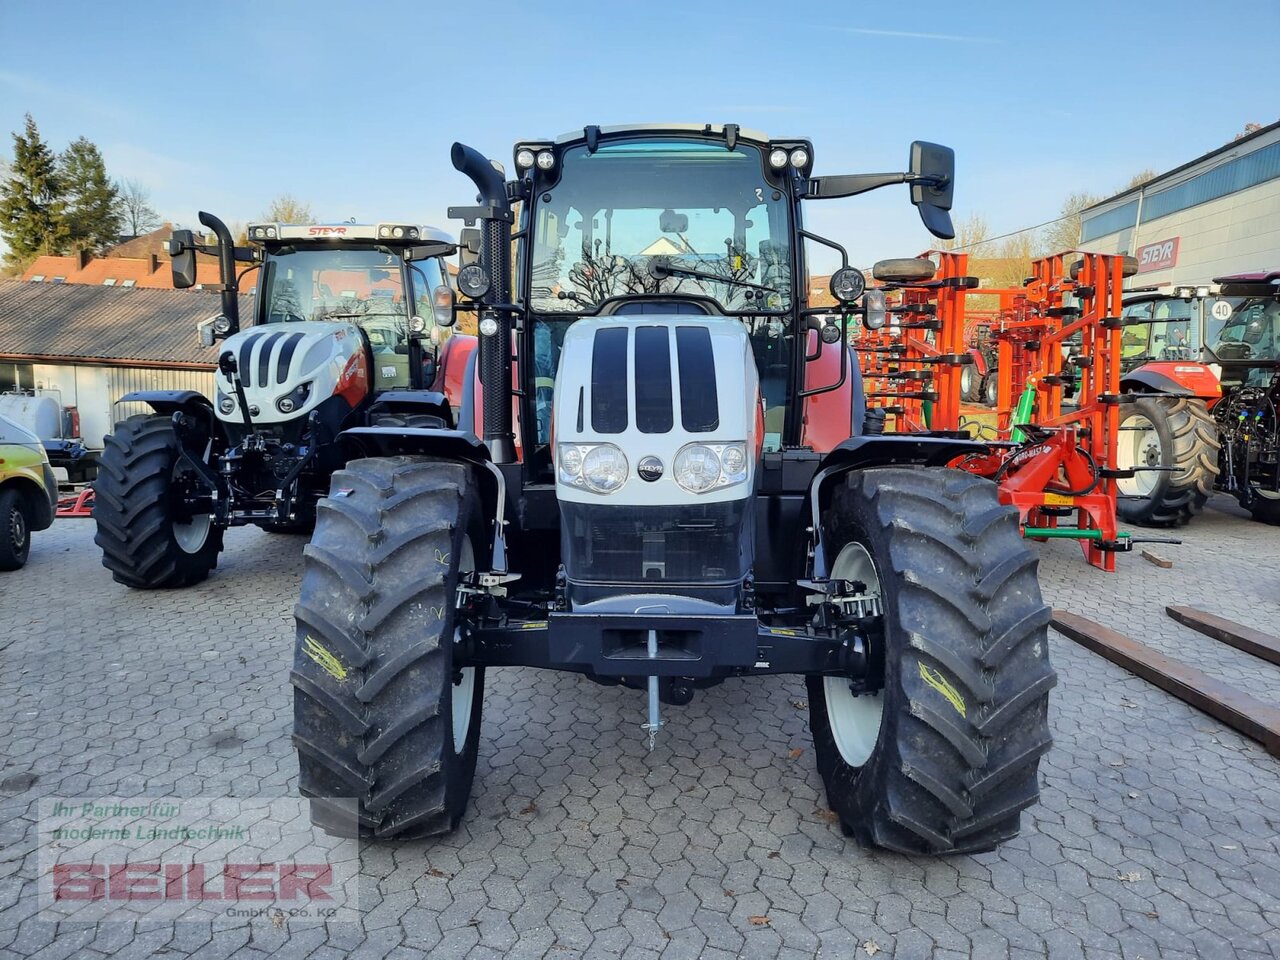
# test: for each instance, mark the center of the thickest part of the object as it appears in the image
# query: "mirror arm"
(849, 184)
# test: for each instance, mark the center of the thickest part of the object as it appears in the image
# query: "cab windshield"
(362, 285)
(641, 217)
(1253, 330)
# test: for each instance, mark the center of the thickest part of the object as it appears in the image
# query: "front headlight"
(599, 467)
(701, 467)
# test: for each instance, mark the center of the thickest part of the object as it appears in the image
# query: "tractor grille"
(265, 357)
(656, 546)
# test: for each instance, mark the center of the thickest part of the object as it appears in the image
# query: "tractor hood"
(289, 369)
(652, 387)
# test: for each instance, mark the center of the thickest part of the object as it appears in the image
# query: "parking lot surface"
(1158, 834)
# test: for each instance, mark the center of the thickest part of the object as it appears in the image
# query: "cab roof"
(387, 233)
(705, 129)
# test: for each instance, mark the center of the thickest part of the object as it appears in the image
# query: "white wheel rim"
(191, 536)
(464, 690)
(854, 721)
(966, 380)
(1139, 446)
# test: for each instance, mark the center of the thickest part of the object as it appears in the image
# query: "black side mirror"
(933, 172)
(182, 248)
(469, 244)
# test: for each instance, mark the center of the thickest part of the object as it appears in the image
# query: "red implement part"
(911, 366)
(81, 505)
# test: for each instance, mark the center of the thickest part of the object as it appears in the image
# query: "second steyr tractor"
(343, 334)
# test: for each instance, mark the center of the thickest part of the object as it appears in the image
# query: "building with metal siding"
(91, 345)
(1218, 214)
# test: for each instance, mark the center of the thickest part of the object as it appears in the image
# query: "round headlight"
(473, 281)
(285, 404)
(799, 158)
(417, 324)
(226, 405)
(384, 231)
(524, 158)
(847, 284)
(222, 325)
(398, 232)
(271, 232)
(258, 232)
(734, 459)
(697, 468)
(570, 461)
(778, 158)
(546, 159)
(413, 233)
(604, 468)
(488, 327)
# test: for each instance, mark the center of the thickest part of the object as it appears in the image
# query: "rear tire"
(380, 714)
(15, 531)
(970, 383)
(1179, 433)
(952, 758)
(141, 543)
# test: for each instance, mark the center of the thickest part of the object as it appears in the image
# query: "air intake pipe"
(227, 268)
(494, 358)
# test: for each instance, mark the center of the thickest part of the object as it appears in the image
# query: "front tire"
(144, 544)
(1265, 509)
(949, 759)
(1160, 431)
(381, 714)
(15, 531)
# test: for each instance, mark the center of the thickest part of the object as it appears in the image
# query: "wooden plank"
(1260, 644)
(1253, 718)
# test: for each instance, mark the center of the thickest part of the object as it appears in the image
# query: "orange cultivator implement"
(1059, 388)
(911, 366)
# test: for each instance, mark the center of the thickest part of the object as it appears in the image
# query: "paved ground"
(1157, 835)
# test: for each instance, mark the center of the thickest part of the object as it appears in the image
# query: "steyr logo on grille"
(649, 468)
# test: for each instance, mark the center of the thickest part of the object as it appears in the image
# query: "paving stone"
(667, 854)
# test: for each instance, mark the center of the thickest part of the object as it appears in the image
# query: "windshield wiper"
(660, 270)
(359, 316)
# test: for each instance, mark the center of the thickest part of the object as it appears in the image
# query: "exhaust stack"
(494, 358)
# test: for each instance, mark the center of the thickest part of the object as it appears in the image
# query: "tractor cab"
(1161, 326)
(362, 274)
(1246, 342)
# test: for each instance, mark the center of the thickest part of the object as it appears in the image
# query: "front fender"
(171, 401)
(1175, 378)
(861, 453)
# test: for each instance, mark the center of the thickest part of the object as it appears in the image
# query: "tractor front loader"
(343, 334)
(661, 477)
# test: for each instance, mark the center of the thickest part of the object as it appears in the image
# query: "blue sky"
(353, 107)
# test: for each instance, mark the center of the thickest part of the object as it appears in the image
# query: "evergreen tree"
(32, 216)
(93, 213)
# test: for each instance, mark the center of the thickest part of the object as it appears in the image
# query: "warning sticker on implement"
(944, 686)
(326, 660)
(1058, 500)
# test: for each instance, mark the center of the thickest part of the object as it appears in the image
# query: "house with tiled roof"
(140, 262)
